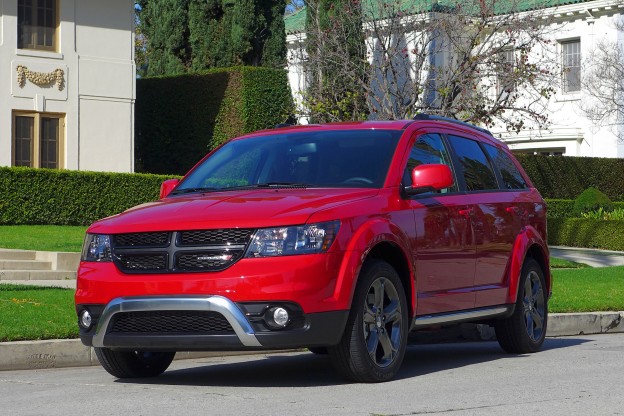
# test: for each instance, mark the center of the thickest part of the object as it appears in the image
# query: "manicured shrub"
(559, 208)
(591, 199)
(181, 118)
(566, 177)
(564, 208)
(61, 197)
(590, 233)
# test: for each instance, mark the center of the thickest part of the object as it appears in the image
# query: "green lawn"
(29, 312)
(42, 237)
(556, 263)
(588, 290)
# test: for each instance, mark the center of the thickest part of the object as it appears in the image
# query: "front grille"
(180, 251)
(142, 262)
(173, 322)
(211, 237)
(141, 239)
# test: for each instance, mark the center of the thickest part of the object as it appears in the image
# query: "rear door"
(501, 216)
(496, 213)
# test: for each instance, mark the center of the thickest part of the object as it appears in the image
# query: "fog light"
(279, 316)
(85, 319)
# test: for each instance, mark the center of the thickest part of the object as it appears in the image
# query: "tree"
(483, 61)
(334, 36)
(164, 23)
(193, 35)
(140, 47)
(603, 82)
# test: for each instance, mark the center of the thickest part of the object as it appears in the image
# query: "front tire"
(134, 364)
(375, 338)
(525, 330)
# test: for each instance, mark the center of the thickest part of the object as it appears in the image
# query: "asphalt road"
(574, 375)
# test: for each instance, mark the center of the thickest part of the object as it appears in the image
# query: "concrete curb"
(569, 324)
(30, 355)
(58, 353)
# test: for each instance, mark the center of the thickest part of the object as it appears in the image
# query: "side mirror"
(427, 178)
(167, 186)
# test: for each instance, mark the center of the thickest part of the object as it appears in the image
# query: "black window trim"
(461, 189)
(457, 168)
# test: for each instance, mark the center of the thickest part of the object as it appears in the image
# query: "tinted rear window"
(478, 173)
(512, 178)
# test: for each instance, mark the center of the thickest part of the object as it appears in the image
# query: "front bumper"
(307, 330)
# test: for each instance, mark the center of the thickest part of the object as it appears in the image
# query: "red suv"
(340, 238)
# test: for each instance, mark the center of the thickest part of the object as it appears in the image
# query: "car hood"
(232, 209)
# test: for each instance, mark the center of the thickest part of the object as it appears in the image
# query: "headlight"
(96, 247)
(286, 241)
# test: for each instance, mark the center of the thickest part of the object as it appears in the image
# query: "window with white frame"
(571, 63)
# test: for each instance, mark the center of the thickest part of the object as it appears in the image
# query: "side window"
(478, 173)
(428, 149)
(512, 178)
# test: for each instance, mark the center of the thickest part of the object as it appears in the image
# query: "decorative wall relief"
(40, 78)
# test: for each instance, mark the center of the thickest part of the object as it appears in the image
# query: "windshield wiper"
(283, 185)
(267, 185)
(193, 190)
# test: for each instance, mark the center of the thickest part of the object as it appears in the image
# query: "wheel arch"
(528, 244)
(377, 239)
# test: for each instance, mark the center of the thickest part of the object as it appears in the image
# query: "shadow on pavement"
(309, 370)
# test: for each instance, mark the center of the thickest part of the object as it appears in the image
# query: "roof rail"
(282, 125)
(423, 116)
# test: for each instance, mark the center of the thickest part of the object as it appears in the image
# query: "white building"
(580, 25)
(67, 84)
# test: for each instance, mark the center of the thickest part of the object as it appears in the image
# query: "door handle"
(466, 212)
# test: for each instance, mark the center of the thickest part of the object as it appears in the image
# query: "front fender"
(368, 236)
(528, 242)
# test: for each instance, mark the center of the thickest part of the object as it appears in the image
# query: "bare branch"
(603, 81)
(451, 60)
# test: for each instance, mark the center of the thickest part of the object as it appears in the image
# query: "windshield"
(347, 158)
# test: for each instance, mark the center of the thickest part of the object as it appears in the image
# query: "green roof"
(295, 22)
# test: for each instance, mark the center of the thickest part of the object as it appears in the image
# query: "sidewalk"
(591, 257)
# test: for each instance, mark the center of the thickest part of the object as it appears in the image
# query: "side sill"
(500, 311)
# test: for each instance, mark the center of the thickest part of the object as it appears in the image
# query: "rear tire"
(373, 344)
(134, 364)
(525, 330)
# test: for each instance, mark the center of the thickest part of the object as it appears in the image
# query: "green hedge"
(180, 118)
(564, 208)
(581, 232)
(567, 177)
(59, 197)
